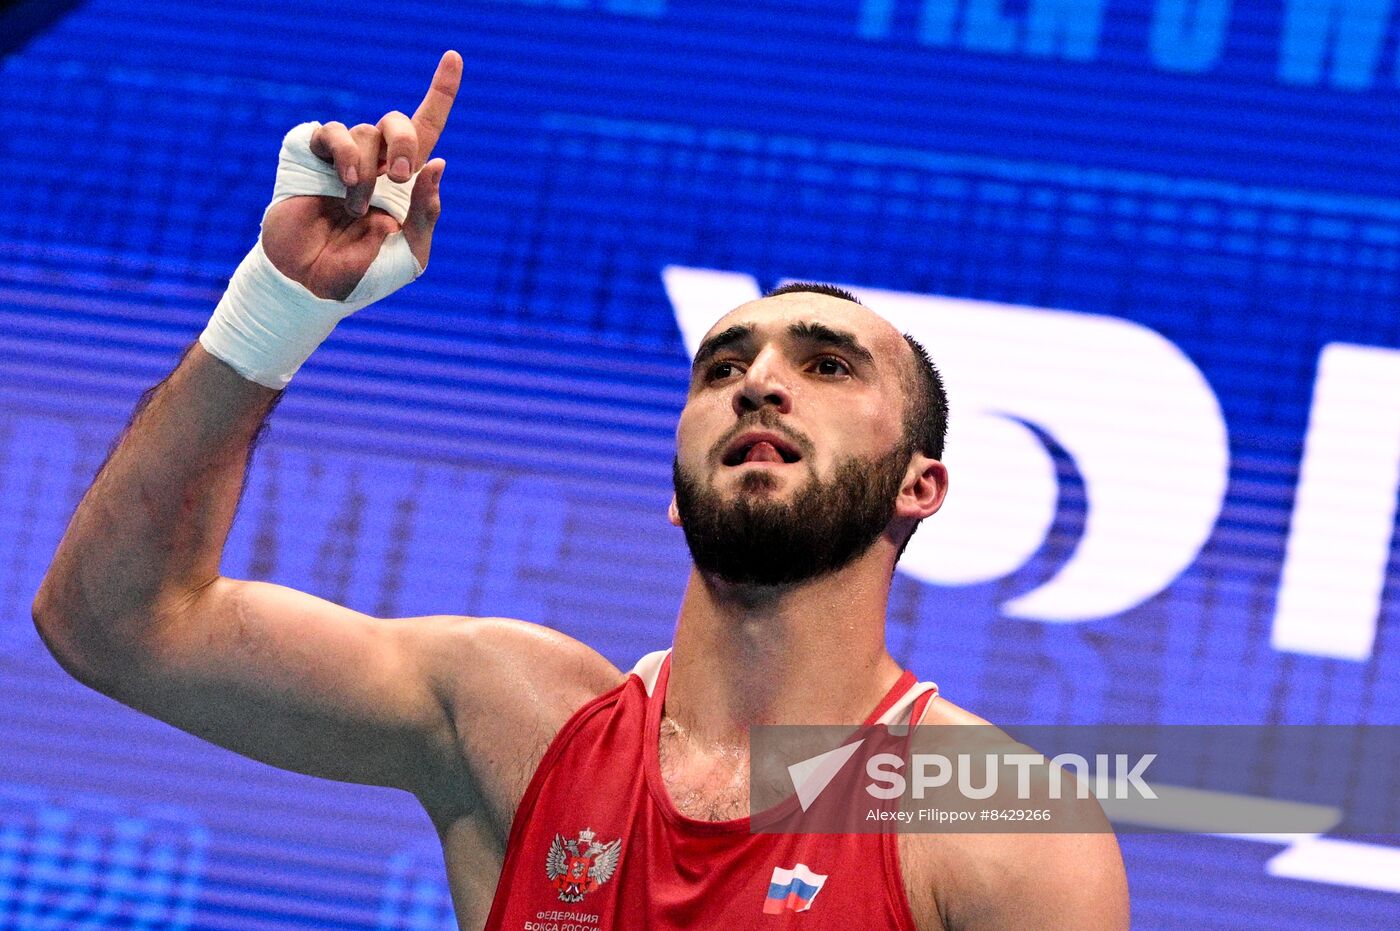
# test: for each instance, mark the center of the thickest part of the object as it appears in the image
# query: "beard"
(754, 540)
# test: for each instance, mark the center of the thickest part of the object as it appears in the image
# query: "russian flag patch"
(792, 890)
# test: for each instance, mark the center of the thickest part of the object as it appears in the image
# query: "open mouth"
(760, 448)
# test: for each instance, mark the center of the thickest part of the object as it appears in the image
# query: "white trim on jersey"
(648, 668)
(899, 712)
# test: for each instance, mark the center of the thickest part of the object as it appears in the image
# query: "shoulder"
(1048, 881)
(508, 687)
(477, 657)
(1021, 880)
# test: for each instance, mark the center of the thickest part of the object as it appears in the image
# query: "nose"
(764, 383)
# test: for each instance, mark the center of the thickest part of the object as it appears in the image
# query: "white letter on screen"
(1344, 514)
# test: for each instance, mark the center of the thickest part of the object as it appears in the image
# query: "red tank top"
(598, 844)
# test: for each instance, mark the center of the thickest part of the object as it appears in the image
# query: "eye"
(720, 370)
(830, 365)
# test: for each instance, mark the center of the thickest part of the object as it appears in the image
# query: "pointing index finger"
(431, 115)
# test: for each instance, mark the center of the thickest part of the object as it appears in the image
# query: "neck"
(808, 653)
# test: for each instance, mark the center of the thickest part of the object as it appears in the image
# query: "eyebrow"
(738, 333)
(824, 335)
(817, 333)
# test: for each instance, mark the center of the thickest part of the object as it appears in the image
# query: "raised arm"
(134, 604)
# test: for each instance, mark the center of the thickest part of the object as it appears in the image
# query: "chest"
(674, 871)
(475, 859)
(715, 787)
(706, 786)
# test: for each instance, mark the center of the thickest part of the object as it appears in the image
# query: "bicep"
(298, 682)
(438, 706)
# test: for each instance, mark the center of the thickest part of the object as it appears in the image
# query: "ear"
(925, 487)
(673, 513)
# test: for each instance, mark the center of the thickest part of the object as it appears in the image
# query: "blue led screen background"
(497, 438)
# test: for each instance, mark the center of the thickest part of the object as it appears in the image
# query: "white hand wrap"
(267, 325)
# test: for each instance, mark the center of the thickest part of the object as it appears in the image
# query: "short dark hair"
(812, 287)
(928, 419)
(926, 411)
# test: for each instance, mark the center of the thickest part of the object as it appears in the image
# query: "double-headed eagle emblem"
(577, 867)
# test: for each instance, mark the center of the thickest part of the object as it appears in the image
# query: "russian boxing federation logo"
(577, 867)
(1138, 418)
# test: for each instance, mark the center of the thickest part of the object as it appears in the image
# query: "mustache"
(765, 419)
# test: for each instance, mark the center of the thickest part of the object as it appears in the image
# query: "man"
(805, 457)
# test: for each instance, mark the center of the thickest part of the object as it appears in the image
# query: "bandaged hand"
(350, 222)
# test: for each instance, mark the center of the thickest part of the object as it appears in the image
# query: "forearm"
(151, 529)
(148, 536)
